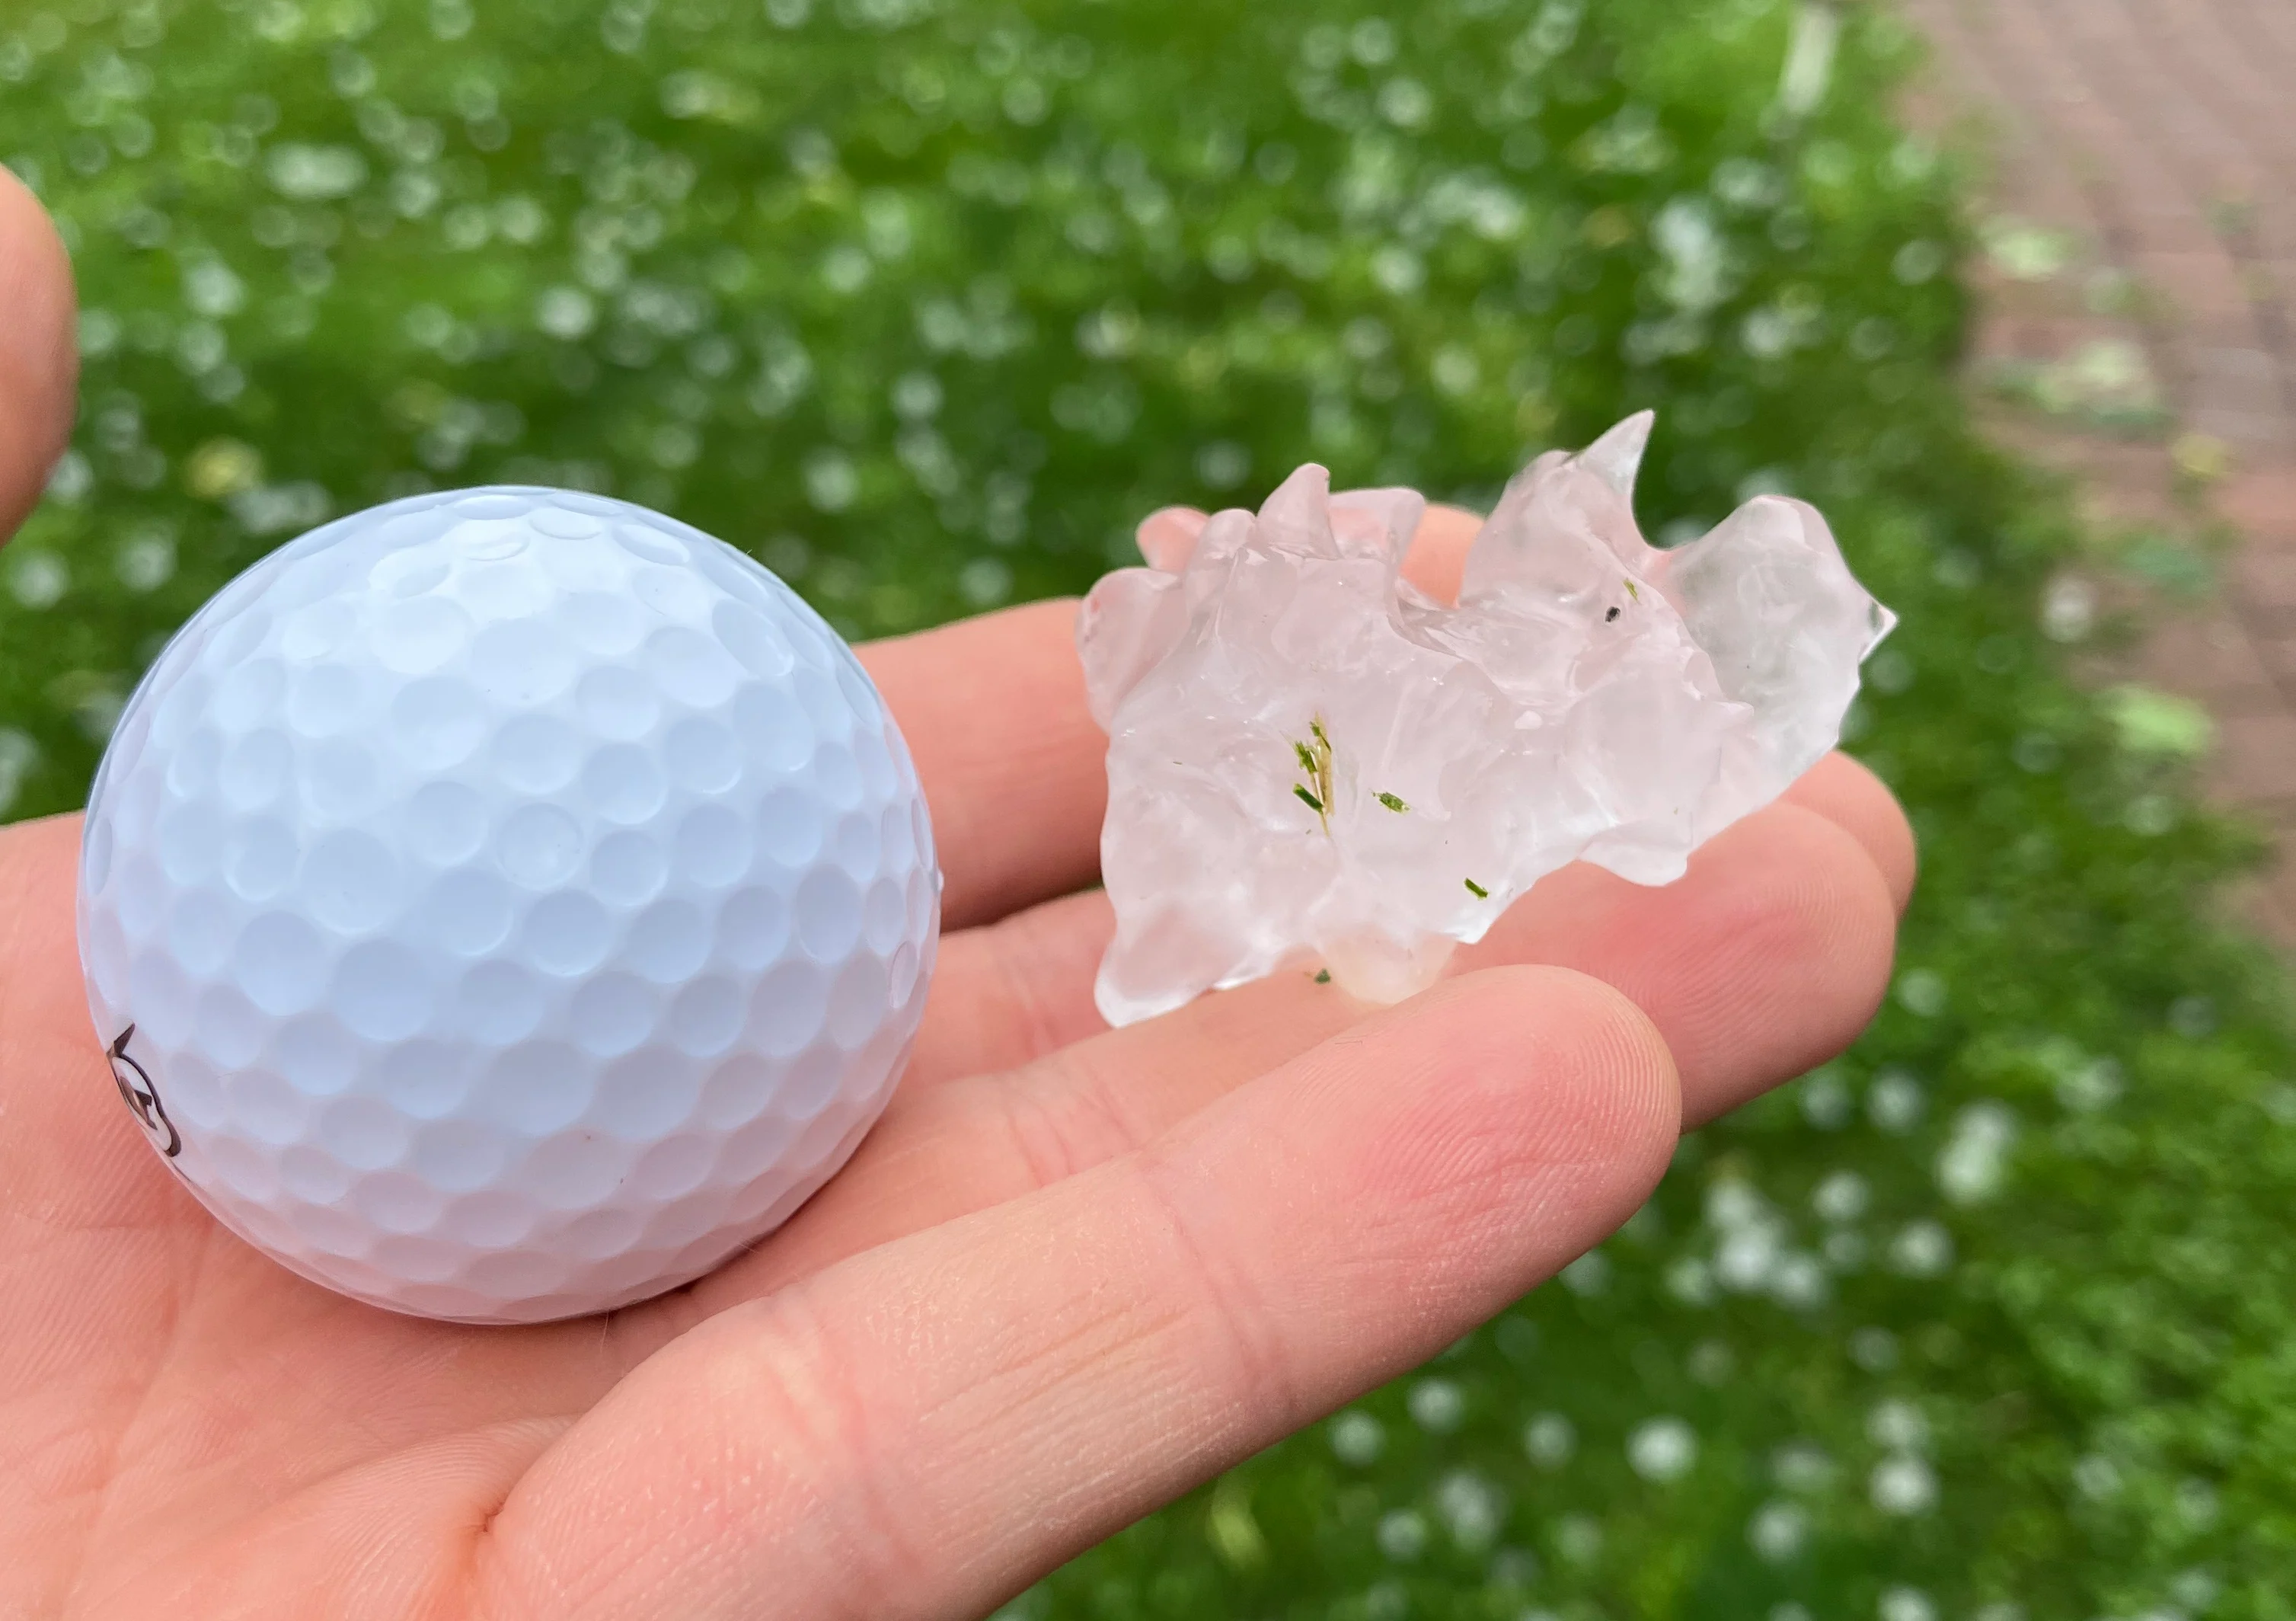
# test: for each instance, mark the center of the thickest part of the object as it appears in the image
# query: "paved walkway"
(2160, 138)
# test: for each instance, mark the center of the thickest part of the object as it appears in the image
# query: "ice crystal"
(1310, 758)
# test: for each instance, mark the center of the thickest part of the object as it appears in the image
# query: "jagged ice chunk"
(1308, 758)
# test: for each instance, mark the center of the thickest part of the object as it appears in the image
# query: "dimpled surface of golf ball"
(506, 904)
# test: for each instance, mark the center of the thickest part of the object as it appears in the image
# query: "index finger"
(1013, 765)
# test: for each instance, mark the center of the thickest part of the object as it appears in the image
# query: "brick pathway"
(2159, 136)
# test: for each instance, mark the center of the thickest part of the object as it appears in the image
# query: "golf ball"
(506, 904)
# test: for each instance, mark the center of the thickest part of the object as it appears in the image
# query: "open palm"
(1071, 1273)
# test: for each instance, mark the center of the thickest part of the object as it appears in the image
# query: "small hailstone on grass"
(1310, 758)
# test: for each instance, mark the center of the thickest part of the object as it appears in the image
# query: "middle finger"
(1767, 957)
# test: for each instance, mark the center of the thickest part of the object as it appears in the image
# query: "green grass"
(927, 300)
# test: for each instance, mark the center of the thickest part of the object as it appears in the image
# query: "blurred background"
(926, 302)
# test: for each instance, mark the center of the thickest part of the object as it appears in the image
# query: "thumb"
(39, 362)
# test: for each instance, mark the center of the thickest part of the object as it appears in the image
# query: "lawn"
(926, 301)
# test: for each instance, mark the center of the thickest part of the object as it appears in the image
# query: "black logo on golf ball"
(142, 1098)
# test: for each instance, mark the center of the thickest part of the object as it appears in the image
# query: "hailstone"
(1310, 759)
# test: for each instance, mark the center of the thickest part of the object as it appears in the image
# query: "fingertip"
(1624, 1055)
(1168, 536)
(1835, 935)
(1438, 560)
(39, 365)
(1769, 956)
(1846, 792)
(1514, 1116)
(1599, 1075)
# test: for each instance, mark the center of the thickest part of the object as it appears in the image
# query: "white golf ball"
(506, 904)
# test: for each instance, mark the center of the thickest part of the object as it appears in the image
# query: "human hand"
(1071, 1273)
